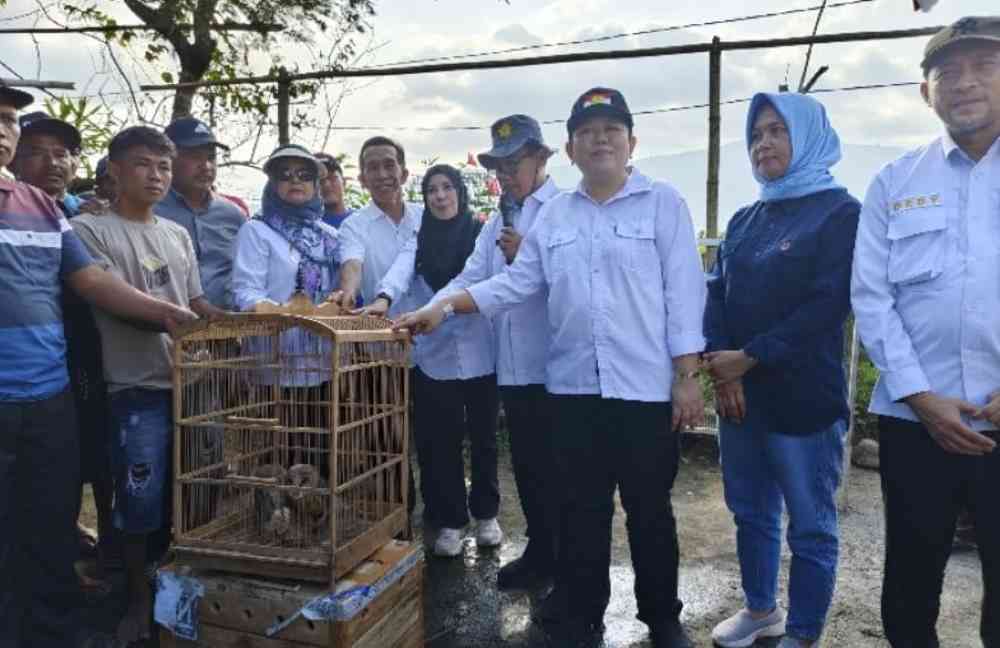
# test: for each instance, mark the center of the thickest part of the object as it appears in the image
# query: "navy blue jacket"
(780, 290)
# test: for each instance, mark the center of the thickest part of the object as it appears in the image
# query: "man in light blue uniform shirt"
(211, 220)
(926, 297)
(626, 294)
(519, 156)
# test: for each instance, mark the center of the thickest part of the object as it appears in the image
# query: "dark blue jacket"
(780, 291)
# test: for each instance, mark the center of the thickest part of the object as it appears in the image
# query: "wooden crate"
(291, 445)
(236, 612)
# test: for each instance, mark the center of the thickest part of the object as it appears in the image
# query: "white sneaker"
(742, 630)
(448, 543)
(488, 533)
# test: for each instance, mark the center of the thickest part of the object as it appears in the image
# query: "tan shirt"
(156, 258)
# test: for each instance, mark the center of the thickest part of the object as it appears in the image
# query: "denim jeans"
(141, 438)
(764, 471)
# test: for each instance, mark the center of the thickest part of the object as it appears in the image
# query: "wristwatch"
(448, 310)
(384, 296)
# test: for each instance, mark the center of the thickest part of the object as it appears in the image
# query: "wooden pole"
(42, 85)
(714, 142)
(284, 101)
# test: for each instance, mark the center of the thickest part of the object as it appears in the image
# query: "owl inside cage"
(290, 443)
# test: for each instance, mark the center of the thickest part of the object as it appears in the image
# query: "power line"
(610, 37)
(639, 113)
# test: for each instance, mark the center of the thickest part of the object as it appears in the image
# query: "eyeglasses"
(300, 175)
(508, 166)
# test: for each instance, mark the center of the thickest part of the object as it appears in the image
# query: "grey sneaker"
(742, 630)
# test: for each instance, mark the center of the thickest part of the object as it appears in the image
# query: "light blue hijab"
(815, 146)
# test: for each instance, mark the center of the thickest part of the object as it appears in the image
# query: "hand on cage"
(420, 322)
(378, 308)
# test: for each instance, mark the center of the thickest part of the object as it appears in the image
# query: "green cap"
(968, 29)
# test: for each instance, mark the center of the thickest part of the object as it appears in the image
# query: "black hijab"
(444, 245)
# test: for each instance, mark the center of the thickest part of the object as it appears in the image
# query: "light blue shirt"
(213, 231)
(522, 333)
(461, 348)
(926, 280)
(265, 268)
(626, 289)
(372, 238)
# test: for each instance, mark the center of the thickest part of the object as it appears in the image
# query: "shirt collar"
(546, 192)
(180, 200)
(949, 148)
(636, 183)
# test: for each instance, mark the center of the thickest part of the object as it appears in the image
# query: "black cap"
(331, 163)
(599, 102)
(188, 132)
(968, 29)
(39, 122)
(19, 98)
(509, 135)
(102, 168)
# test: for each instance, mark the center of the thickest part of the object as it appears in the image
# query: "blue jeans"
(141, 437)
(762, 472)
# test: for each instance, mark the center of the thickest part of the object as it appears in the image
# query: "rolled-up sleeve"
(523, 280)
(873, 299)
(683, 281)
(351, 239)
(250, 265)
(397, 279)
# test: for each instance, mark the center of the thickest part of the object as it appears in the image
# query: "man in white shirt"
(926, 297)
(626, 294)
(519, 157)
(373, 236)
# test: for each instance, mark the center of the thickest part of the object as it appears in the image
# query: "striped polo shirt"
(37, 249)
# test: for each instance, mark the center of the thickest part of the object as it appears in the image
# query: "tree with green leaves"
(223, 39)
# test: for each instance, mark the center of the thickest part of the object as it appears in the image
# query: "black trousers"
(602, 444)
(531, 427)
(39, 497)
(445, 412)
(924, 489)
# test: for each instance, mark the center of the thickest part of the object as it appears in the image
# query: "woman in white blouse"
(454, 383)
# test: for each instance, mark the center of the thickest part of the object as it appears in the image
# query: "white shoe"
(488, 533)
(448, 543)
(742, 630)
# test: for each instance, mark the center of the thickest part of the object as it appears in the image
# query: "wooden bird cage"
(290, 446)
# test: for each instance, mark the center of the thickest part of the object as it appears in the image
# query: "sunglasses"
(300, 175)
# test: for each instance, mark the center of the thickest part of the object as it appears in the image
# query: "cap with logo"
(510, 134)
(291, 151)
(189, 132)
(40, 123)
(968, 29)
(18, 98)
(599, 102)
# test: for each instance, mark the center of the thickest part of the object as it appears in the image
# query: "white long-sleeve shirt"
(926, 281)
(522, 333)
(461, 348)
(626, 289)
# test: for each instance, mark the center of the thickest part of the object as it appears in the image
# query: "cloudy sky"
(410, 29)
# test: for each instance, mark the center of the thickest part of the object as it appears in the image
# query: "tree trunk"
(184, 97)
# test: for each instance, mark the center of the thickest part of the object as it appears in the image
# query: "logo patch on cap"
(202, 129)
(596, 99)
(505, 130)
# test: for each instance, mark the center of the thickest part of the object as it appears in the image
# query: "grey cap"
(509, 135)
(19, 98)
(968, 29)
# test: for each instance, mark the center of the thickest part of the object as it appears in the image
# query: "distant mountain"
(688, 172)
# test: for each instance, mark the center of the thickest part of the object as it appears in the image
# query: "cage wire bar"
(290, 443)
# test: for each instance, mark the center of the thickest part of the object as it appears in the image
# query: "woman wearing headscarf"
(287, 248)
(454, 383)
(778, 300)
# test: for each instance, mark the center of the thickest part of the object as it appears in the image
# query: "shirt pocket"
(918, 241)
(559, 250)
(635, 246)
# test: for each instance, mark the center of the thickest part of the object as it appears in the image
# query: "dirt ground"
(464, 609)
